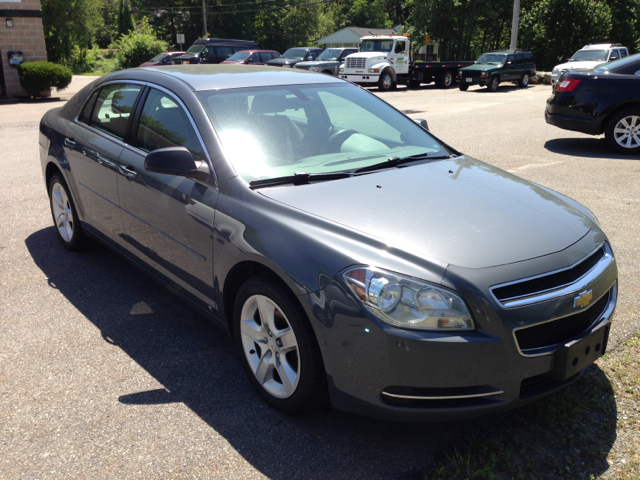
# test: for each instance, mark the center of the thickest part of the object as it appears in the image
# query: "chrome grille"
(356, 62)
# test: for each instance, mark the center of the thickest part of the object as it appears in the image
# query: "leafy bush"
(36, 77)
(138, 46)
(83, 60)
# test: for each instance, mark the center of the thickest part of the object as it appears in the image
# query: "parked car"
(494, 68)
(213, 50)
(165, 58)
(600, 101)
(295, 55)
(251, 57)
(282, 206)
(328, 62)
(589, 57)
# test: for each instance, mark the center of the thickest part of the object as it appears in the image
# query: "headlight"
(341, 69)
(484, 74)
(374, 70)
(314, 69)
(406, 302)
(555, 70)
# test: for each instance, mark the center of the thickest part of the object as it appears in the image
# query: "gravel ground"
(104, 375)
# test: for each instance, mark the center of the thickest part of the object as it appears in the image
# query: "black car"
(602, 100)
(352, 256)
(295, 55)
(213, 50)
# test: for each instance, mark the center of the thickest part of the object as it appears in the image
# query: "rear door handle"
(69, 142)
(128, 172)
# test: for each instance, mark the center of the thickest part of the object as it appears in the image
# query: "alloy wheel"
(62, 214)
(270, 346)
(627, 132)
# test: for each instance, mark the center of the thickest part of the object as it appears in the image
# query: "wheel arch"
(391, 71)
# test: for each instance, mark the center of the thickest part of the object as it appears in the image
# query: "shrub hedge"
(36, 77)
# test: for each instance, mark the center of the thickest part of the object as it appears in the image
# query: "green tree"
(138, 46)
(125, 20)
(624, 22)
(368, 14)
(68, 23)
(555, 29)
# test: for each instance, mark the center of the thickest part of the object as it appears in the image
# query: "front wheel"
(386, 83)
(493, 84)
(623, 131)
(277, 346)
(524, 81)
(65, 217)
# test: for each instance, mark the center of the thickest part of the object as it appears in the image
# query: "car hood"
(461, 211)
(316, 63)
(578, 65)
(481, 67)
(283, 61)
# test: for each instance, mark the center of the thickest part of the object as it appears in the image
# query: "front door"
(168, 219)
(509, 70)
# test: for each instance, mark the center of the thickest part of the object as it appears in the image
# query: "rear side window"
(113, 108)
(623, 53)
(164, 123)
(85, 115)
(519, 60)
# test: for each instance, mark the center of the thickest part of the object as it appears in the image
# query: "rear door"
(93, 145)
(168, 219)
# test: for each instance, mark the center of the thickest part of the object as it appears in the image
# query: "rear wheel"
(444, 80)
(524, 81)
(623, 131)
(277, 346)
(65, 216)
(386, 83)
(493, 84)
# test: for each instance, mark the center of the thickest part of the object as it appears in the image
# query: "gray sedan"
(351, 255)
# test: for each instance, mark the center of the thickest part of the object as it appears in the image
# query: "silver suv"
(590, 56)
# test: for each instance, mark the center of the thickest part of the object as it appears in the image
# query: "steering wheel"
(340, 136)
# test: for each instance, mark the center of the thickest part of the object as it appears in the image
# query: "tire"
(623, 131)
(278, 349)
(386, 83)
(463, 87)
(444, 80)
(64, 214)
(524, 81)
(493, 84)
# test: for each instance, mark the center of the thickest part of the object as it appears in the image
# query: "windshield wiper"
(299, 179)
(393, 162)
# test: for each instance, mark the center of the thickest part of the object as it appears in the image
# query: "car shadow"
(196, 364)
(590, 147)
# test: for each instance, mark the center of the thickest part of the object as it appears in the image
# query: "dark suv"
(213, 50)
(494, 68)
(295, 55)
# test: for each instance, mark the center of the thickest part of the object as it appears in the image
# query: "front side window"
(163, 124)
(269, 132)
(511, 60)
(113, 108)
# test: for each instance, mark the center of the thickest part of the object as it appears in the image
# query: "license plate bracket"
(575, 355)
(469, 79)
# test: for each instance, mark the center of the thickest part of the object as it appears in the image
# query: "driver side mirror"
(613, 57)
(176, 161)
(422, 122)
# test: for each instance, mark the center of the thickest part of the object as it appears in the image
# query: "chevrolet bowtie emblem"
(583, 299)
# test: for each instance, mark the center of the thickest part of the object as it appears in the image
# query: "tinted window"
(510, 58)
(255, 58)
(112, 110)
(265, 56)
(623, 53)
(164, 123)
(519, 60)
(85, 115)
(528, 57)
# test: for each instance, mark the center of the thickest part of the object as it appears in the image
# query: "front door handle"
(128, 172)
(69, 142)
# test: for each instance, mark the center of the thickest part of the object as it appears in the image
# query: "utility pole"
(514, 25)
(204, 19)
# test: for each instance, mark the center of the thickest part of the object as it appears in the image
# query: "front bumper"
(483, 82)
(360, 77)
(398, 374)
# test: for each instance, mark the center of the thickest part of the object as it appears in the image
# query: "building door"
(3, 88)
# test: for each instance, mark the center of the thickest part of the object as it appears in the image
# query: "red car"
(162, 59)
(251, 57)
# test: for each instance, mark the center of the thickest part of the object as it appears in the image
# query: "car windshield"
(330, 54)
(277, 131)
(195, 49)
(376, 46)
(296, 53)
(491, 58)
(589, 56)
(158, 58)
(238, 57)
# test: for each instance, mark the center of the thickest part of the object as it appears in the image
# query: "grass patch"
(588, 430)
(92, 74)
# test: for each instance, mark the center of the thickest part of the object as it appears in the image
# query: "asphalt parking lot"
(105, 375)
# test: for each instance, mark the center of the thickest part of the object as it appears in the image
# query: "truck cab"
(380, 60)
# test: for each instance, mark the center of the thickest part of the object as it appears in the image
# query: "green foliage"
(624, 22)
(364, 13)
(68, 23)
(107, 32)
(90, 60)
(138, 46)
(555, 29)
(125, 20)
(36, 77)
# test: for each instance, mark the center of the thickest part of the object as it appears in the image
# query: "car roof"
(599, 46)
(221, 77)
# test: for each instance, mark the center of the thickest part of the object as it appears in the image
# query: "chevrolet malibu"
(353, 257)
